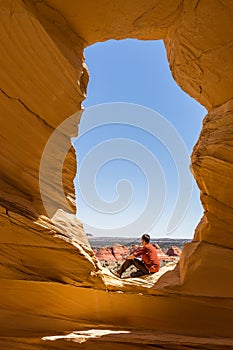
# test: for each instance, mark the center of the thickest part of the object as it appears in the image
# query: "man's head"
(145, 239)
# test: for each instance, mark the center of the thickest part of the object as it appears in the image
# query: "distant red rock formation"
(161, 254)
(104, 253)
(119, 252)
(173, 251)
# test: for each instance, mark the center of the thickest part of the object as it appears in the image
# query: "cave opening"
(130, 73)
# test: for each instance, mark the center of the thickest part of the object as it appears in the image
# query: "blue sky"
(133, 72)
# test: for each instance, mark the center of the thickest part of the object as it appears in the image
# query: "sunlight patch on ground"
(83, 336)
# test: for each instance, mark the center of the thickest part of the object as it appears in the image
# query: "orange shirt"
(149, 257)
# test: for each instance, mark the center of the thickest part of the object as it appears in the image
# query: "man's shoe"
(136, 274)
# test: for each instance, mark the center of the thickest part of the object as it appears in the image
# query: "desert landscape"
(55, 294)
(112, 251)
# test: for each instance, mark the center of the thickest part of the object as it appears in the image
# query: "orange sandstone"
(50, 280)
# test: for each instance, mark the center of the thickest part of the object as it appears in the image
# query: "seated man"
(149, 263)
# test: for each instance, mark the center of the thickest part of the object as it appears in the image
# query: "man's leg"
(126, 264)
(142, 270)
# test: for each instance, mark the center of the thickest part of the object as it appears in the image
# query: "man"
(149, 263)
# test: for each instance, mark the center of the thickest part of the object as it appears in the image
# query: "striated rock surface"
(212, 162)
(50, 279)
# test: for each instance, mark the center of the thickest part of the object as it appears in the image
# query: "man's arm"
(131, 257)
(137, 252)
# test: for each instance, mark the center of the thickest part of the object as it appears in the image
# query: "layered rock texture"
(50, 280)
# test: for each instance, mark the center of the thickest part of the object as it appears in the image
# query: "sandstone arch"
(43, 80)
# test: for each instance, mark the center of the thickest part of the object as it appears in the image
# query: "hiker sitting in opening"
(149, 263)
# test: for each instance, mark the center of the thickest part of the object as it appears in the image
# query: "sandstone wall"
(49, 279)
